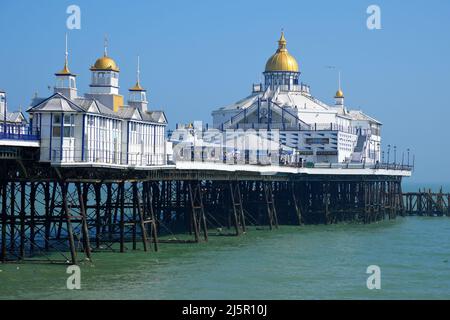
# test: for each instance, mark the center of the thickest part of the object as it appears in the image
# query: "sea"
(411, 254)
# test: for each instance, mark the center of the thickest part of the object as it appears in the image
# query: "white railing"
(277, 159)
(76, 156)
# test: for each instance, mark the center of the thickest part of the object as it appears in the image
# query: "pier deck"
(85, 208)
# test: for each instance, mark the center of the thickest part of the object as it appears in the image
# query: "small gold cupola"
(339, 96)
(105, 63)
(65, 71)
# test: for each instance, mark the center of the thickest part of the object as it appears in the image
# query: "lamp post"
(388, 152)
(403, 157)
(395, 156)
(4, 114)
(407, 150)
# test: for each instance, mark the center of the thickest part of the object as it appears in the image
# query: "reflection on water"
(310, 262)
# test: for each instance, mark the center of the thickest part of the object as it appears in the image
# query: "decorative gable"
(93, 108)
(56, 103)
(136, 115)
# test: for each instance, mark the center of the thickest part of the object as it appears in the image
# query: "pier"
(83, 210)
(427, 203)
(93, 172)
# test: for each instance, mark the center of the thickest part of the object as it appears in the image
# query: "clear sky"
(199, 55)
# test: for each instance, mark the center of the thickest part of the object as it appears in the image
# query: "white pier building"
(98, 128)
(318, 132)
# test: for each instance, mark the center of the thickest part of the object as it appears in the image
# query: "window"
(317, 141)
(68, 119)
(68, 132)
(56, 132)
(57, 119)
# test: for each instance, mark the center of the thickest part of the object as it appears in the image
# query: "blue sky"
(199, 55)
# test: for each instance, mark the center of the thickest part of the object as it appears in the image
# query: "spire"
(137, 86)
(65, 70)
(105, 46)
(67, 54)
(339, 79)
(339, 93)
(138, 95)
(138, 71)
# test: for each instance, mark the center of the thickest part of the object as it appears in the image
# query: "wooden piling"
(3, 250)
(68, 218)
(84, 229)
(141, 216)
(121, 194)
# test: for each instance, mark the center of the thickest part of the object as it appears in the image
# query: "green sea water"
(308, 262)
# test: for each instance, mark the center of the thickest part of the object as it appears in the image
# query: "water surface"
(309, 262)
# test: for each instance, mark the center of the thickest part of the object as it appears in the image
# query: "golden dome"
(105, 63)
(282, 60)
(339, 94)
(137, 87)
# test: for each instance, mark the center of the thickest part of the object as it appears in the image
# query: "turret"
(282, 69)
(138, 95)
(65, 80)
(105, 82)
(339, 99)
(339, 96)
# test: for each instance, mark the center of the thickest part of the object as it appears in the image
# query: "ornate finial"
(67, 54)
(65, 70)
(282, 42)
(137, 86)
(105, 44)
(339, 93)
(138, 73)
(339, 80)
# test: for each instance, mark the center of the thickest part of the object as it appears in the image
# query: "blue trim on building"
(258, 114)
(62, 137)
(128, 139)
(82, 136)
(51, 136)
(97, 135)
(154, 139)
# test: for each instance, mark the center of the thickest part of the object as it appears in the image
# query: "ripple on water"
(309, 262)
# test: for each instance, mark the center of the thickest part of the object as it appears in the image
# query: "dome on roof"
(339, 94)
(105, 63)
(282, 60)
